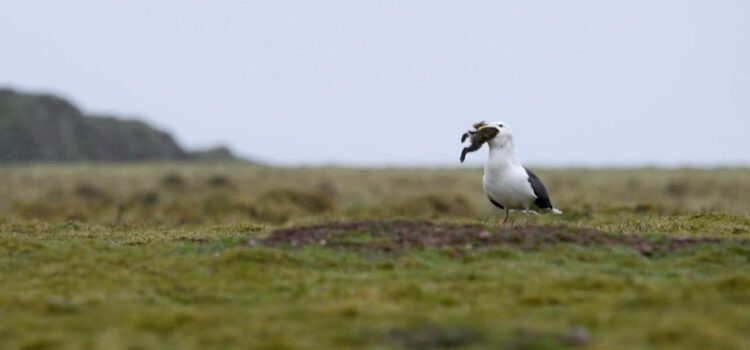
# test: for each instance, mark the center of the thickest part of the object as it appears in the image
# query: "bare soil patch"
(434, 337)
(401, 235)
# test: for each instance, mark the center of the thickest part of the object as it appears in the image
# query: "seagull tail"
(556, 211)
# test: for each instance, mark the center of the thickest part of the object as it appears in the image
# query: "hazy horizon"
(395, 83)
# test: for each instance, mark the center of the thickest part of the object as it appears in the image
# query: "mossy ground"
(108, 268)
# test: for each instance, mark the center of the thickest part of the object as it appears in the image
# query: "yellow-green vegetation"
(168, 256)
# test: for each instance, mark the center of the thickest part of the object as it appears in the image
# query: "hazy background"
(396, 82)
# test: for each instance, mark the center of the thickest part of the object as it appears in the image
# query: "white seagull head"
(501, 133)
(497, 134)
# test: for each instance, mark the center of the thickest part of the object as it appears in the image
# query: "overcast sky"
(397, 81)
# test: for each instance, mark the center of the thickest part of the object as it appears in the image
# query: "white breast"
(505, 179)
(509, 186)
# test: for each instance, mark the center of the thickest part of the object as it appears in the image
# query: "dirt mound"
(399, 235)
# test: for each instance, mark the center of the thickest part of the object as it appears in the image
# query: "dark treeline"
(42, 128)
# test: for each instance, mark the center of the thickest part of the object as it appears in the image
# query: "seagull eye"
(500, 125)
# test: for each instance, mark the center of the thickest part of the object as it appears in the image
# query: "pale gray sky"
(397, 81)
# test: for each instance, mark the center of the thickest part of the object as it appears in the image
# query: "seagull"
(507, 184)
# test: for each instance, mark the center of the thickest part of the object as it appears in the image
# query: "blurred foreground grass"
(157, 256)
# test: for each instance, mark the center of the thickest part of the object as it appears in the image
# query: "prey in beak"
(479, 134)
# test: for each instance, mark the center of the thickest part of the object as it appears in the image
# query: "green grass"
(179, 273)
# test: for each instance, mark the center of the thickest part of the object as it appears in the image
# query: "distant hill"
(40, 127)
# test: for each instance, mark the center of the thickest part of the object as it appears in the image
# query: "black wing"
(495, 203)
(542, 198)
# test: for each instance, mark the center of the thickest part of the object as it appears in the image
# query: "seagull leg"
(526, 222)
(507, 215)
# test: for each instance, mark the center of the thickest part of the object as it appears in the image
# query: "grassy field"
(168, 256)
